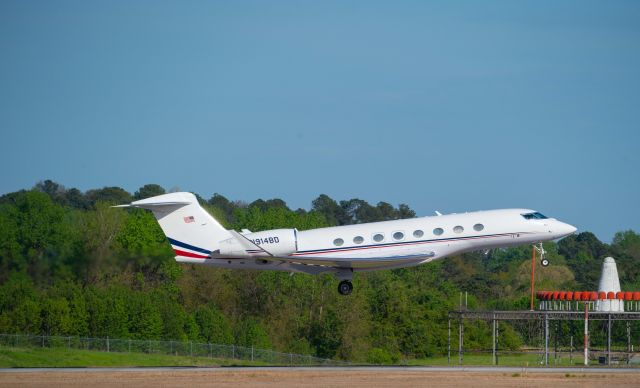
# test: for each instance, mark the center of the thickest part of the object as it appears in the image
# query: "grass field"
(63, 357)
(11, 357)
(526, 360)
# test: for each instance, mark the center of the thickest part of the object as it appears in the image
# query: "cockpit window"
(534, 216)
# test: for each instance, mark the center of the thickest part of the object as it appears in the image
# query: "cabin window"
(458, 229)
(418, 233)
(338, 242)
(398, 236)
(438, 231)
(358, 240)
(378, 237)
(478, 227)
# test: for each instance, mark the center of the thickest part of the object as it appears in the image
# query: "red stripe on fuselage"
(189, 254)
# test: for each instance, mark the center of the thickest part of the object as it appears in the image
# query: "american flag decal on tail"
(189, 219)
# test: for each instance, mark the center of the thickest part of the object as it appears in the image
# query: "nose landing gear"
(345, 287)
(543, 260)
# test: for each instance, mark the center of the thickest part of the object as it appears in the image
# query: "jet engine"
(278, 242)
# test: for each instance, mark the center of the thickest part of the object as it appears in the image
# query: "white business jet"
(197, 238)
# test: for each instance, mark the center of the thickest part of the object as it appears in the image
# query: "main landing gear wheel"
(544, 262)
(345, 287)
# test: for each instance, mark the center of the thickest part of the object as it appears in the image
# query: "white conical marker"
(609, 282)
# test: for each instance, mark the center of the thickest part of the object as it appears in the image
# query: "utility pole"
(546, 339)
(493, 353)
(586, 333)
(449, 344)
(533, 273)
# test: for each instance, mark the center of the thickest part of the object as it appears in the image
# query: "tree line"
(72, 265)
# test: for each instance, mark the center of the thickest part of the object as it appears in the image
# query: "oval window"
(398, 236)
(418, 233)
(338, 242)
(378, 237)
(458, 229)
(438, 231)
(358, 239)
(478, 227)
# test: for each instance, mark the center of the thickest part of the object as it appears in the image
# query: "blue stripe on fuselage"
(185, 245)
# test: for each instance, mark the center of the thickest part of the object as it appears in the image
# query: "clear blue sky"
(449, 106)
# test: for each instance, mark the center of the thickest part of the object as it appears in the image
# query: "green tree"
(149, 190)
(19, 305)
(56, 317)
(225, 207)
(332, 212)
(99, 229)
(250, 332)
(108, 314)
(73, 294)
(584, 254)
(140, 240)
(43, 234)
(213, 325)
(111, 195)
(144, 319)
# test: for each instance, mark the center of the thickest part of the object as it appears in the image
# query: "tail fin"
(191, 231)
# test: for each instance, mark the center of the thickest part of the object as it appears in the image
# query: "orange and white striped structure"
(574, 300)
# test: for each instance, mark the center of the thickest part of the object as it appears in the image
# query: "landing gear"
(543, 260)
(345, 287)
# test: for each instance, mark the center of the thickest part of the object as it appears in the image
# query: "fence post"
(42, 340)
(628, 342)
(460, 339)
(571, 350)
(609, 339)
(107, 344)
(493, 353)
(546, 339)
(233, 351)
(191, 348)
(251, 353)
(449, 344)
(68, 342)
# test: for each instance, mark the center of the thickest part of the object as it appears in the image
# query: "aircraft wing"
(319, 263)
(355, 262)
(338, 262)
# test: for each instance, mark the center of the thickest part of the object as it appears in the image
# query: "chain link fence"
(175, 348)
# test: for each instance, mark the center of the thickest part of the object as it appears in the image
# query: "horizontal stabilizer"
(171, 199)
(151, 205)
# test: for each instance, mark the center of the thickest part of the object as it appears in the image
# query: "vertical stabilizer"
(191, 231)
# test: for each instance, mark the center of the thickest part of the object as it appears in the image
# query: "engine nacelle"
(277, 242)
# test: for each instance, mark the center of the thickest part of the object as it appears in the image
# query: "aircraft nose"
(564, 230)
